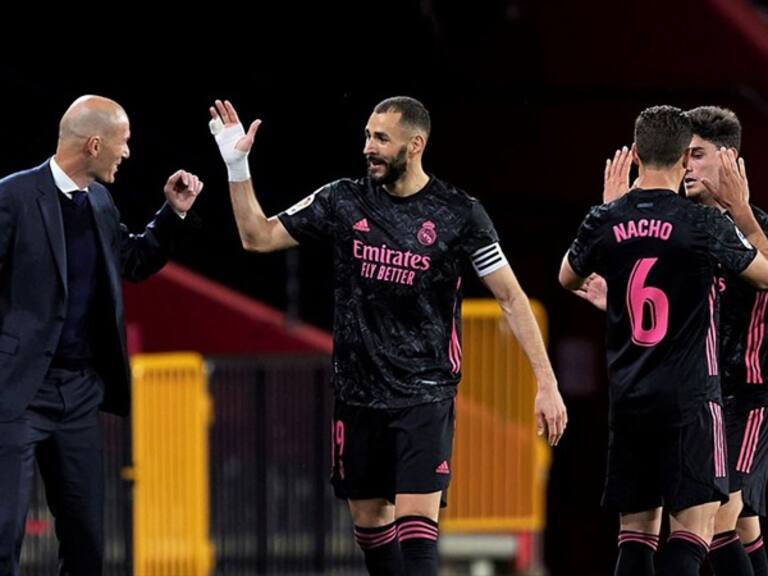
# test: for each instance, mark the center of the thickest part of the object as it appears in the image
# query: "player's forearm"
(252, 223)
(520, 318)
(568, 278)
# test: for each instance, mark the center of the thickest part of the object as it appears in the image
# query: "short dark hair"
(413, 112)
(718, 125)
(662, 135)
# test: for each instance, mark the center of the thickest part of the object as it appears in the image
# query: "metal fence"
(272, 508)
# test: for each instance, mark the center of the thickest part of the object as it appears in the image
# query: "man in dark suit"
(63, 252)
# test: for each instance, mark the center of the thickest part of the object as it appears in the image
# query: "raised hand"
(732, 189)
(181, 190)
(233, 141)
(616, 176)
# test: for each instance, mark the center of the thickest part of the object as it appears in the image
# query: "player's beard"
(393, 169)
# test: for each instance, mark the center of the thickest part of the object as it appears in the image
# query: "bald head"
(93, 140)
(91, 116)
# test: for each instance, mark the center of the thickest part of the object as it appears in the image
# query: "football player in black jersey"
(402, 241)
(743, 361)
(737, 547)
(656, 252)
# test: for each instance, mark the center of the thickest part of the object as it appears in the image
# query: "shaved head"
(93, 139)
(91, 116)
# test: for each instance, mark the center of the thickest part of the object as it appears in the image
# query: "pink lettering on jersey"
(387, 264)
(642, 228)
(642, 298)
(337, 449)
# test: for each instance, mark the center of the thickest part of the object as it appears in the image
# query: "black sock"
(682, 555)
(381, 549)
(418, 542)
(727, 555)
(756, 552)
(636, 553)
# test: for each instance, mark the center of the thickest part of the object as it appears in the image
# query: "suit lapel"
(48, 202)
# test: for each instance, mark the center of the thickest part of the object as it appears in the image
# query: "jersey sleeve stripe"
(488, 259)
(483, 260)
(485, 250)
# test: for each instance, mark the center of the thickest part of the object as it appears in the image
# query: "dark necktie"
(80, 198)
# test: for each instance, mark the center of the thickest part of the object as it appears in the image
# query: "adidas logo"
(443, 468)
(361, 226)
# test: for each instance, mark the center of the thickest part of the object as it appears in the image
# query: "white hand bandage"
(227, 138)
(216, 125)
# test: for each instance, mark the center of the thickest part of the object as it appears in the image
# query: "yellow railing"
(171, 417)
(499, 464)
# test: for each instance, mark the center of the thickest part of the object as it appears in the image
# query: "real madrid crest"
(427, 233)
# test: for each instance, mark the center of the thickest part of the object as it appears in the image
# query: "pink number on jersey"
(641, 298)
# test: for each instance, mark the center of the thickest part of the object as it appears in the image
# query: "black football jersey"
(658, 254)
(398, 264)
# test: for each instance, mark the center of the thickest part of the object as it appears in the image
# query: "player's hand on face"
(732, 188)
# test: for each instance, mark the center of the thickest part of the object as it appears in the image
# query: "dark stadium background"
(528, 98)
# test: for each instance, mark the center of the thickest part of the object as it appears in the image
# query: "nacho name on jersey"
(643, 228)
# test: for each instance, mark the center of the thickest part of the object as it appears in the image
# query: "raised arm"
(551, 415)
(257, 232)
(594, 289)
(141, 255)
(568, 277)
(616, 176)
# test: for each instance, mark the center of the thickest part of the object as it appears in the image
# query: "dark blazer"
(33, 287)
